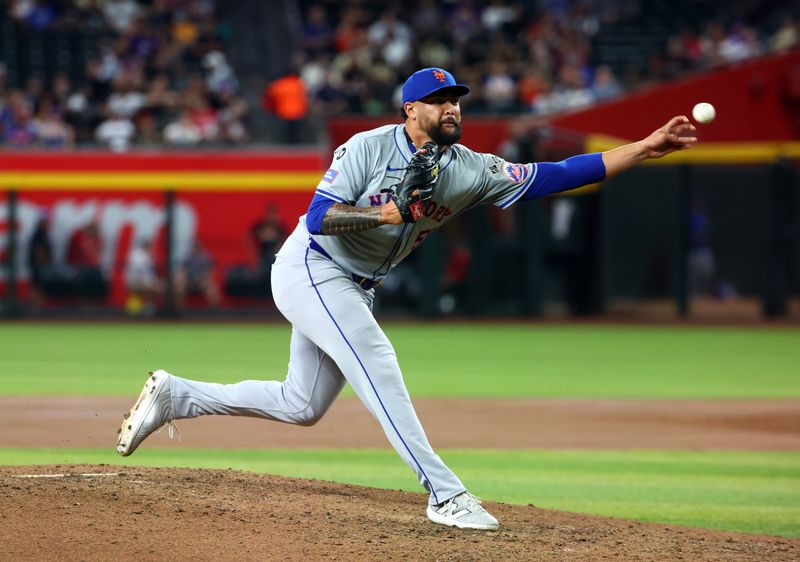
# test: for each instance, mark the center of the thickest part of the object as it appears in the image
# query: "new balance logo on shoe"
(463, 511)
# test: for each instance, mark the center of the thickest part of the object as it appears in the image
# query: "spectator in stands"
(125, 100)
(220, 78)
(117, 132)
(60, 90)
(500, 88)
(740, 43)
(18, 128)
(500, 13)
(787, 35)
(263, 240)
(50, 128)
(529, 87)
(83, 256)
(702, 265)
(196, 276)
(286, 98)
(40, 260)
(352, 21)
(160, 98)
(605, 85)
(34, 90)
(142, 281)
(318, 34)
(182, 131)
(429, 18)
(267, 234)
(456, 271)
(147, 129)
(392, 38)
(81, 115)
(203, 117)
(121, 14)
(231, 118)
(36, 15)
(465, 23)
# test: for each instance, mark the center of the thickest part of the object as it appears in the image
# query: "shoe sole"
(130, 427)
(442, 520)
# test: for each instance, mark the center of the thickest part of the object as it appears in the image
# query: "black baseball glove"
(414, 192)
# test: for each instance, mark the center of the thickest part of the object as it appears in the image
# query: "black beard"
(440, 137)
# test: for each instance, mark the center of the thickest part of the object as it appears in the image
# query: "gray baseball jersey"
(373, 161)
(335, 337)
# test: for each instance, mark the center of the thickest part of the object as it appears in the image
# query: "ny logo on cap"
(439, 75)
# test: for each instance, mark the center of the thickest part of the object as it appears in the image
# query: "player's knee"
(309, 417)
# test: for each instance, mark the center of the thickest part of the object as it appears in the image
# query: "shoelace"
(171, 430)
(469, 499)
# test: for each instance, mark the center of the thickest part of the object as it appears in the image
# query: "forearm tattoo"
(346, 219)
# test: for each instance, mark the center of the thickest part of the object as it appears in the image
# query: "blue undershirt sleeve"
(316, 212)
(552, 177)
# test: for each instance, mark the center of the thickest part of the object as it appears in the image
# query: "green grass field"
(743, 491)
(437, 360)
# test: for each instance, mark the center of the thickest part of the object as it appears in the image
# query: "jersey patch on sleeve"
(515, 172)
(330, 175)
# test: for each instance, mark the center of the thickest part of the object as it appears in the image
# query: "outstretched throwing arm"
(662, 141)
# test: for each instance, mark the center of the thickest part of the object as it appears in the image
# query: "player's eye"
(440, 101)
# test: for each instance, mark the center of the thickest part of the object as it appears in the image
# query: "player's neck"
(416, 136)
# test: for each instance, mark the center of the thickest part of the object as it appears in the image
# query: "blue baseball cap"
(429, 80)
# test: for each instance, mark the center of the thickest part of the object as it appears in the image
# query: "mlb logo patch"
(330, 175)
(515, 172)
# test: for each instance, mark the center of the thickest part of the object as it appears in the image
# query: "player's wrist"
(644, 150)
(390, 214)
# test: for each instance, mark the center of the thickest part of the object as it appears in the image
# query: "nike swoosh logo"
(390, 169)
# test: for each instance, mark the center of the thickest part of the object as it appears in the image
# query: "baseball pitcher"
(385, 191)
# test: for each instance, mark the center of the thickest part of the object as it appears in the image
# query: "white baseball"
(704, 112)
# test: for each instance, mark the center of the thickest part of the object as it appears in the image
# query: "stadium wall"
(218, 196)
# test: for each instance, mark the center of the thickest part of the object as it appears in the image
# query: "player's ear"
(410, 110)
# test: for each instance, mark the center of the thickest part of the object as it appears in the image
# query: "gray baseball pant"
(335, 339)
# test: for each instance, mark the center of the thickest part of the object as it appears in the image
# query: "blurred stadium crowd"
(517, 58)
(160, 77)
(161, 74)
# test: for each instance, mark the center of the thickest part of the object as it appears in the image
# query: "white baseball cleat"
(463, 511)
(151, 411)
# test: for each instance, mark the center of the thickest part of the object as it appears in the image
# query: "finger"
(675, 121)
(683, 142)
(683, 127)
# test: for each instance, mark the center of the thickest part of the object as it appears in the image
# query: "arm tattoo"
(346, 219)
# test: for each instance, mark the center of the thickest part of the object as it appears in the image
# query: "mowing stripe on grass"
(437, 360)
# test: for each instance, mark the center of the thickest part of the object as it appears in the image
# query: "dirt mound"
(120, 513)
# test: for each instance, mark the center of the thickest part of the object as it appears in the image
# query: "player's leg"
(312, 384)
(338, 318)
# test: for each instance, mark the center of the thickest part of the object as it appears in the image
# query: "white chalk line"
(84, 474)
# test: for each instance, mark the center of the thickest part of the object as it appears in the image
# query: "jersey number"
(423, 234)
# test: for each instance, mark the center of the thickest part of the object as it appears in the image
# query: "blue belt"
(364, 282)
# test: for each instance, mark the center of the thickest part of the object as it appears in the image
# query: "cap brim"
(456, 89)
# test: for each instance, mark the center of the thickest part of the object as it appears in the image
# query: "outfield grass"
(737, 491)
(437, 360)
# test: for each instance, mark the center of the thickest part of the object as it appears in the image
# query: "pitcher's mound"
(106, 512)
